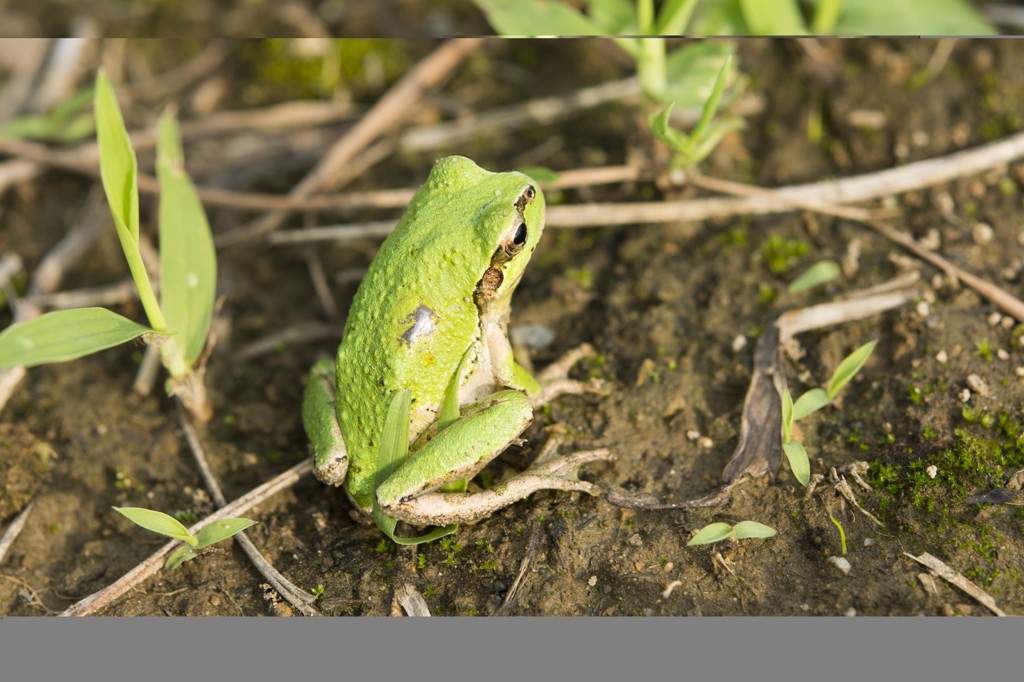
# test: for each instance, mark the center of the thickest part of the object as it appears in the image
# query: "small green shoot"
(67, 122)
(812, 401)
(716, 532)
(816, 275)
(164, 524)
(842, 535)
(690, 149)
(179, 323)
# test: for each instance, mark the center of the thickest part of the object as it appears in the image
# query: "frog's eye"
(513, 242)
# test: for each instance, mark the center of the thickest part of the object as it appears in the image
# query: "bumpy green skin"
(414, 315)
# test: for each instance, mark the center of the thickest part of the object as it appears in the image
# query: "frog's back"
(413, 317)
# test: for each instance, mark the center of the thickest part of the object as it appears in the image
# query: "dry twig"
(939, 568)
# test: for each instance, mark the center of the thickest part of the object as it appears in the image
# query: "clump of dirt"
(24, 461)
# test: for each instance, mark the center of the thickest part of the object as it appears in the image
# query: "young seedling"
(179, 323)
(820, 273)
(158, 522)
(716, 532)
(812, 401)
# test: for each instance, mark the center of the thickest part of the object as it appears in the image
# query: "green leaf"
(910, 17)
(221, 530)
(787, 415)
(661, 128)
(693, 71)
(774, 17)
(752, 529)
(616, 17)
(539, 174)
(819, 273)
(117, 160)
(809, 402)
(849, 367)
(798, 461)
(158, 522)
(521, 18)
(713, 532)
(711, 105)
(65, 335)
(179, 556)
(719, 17)
(188, 260)
(118, 172)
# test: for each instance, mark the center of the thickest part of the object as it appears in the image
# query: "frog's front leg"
(463, 449)
(550, 383)
(320, 418)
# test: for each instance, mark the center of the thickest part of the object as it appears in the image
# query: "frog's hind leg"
(320, 419)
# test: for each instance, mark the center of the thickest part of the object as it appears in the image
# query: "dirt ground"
(673, 310)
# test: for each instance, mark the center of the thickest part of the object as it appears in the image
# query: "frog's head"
(507, 232)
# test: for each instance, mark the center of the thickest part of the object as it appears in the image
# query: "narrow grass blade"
(221, 530)
(825, 16)
(787, 416)
(752, 529)
(188, 260)
(809, 402)
(65, 335)
(713, 532)
(674, 16)
(798, 461)
(819, 273)
(849, 367)
(693, 70)
(158, 522)
(117, 159)
(394, 444)
(677, 141)
(118, 173)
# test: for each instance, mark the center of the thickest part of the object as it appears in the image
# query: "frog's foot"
(330, 456)
(555, 381)
(554, 473)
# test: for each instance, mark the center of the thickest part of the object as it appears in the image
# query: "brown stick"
(392, 108)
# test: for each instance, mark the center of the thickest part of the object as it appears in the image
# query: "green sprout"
(812, 401)
(716, 532)
(842, 535)
(820, 273)
(180, 321)
(164, 524)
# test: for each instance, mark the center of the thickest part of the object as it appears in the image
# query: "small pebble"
(932, 471)
(982, 233)
(1008, 323)
(965, 395)
(668, 567)
(705, 442)
(592, 581)
(1002, 354)
(739, 343)
(101, 429)
(692, 435)
(923, 308)
(214, 600)
(942, 357)
(1019, 371)
(977, 384)
(635, 540)
(841, 564)
(919, 138)
(868, 542)
(850, 612)
(994, 319)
